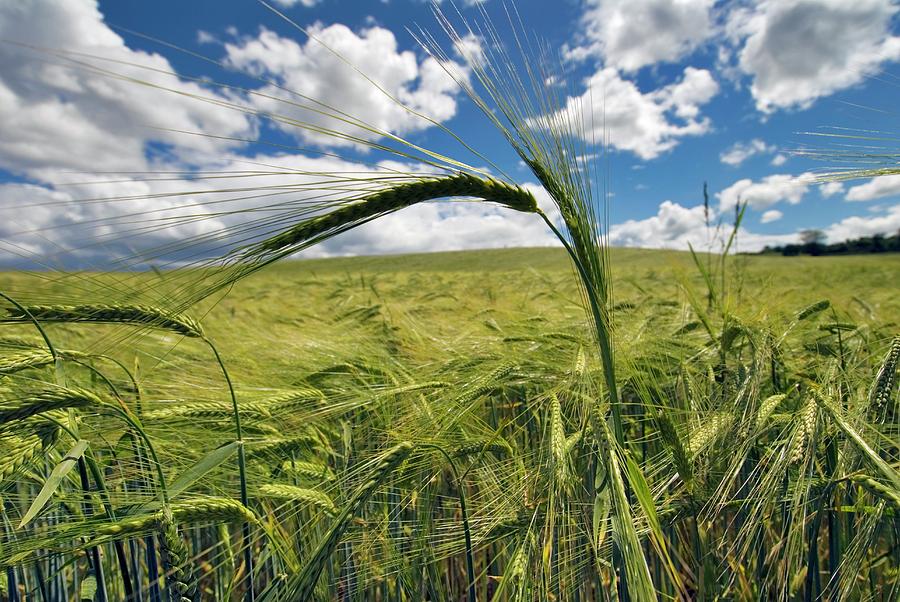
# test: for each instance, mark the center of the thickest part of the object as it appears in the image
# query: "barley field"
(212, 418)
(431, 427)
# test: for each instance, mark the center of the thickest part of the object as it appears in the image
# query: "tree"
(812, 237)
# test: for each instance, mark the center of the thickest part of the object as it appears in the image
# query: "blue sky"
(692, 91)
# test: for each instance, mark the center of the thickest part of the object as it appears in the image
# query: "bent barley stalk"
(139, 315)
(57, 398)
(37, 358)
(309, 471)
(389, 200)
(198, 510)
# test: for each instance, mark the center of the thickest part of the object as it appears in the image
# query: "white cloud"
(772, 215)
(741, 151)
(68, 116)
(320, 69)
(76, 125)
(856, 227)
(674, 226)
(829, 189)
(875, 188)
(630, 34)
(648, 125)
(779, 160)
(796, 51)
(172, 221)
(204, 37)
(766, 192)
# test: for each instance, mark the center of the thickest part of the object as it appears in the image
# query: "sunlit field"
(760, 426)
(225, 377)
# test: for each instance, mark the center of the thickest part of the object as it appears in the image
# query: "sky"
(114, 111)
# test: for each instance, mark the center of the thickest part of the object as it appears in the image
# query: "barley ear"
(136, 315)
(676, 448)
(175, 559)
(813, 309)
(300, 588)
(885, 383)
(300, 495)
(57, 398)
(389, 200)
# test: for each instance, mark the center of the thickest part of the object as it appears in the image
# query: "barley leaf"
(201, 468)
(54, 480)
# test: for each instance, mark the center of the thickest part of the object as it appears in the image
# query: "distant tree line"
(812, 242)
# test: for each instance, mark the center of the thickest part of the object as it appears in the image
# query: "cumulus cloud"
(675, 226)
(334, 67)
(764, 193)
(772, 215)
(630, 34)
(856, 226)
(797, 51)
(171, 221)
(647, 124)
(741, 151)
(69, 116)
(875, 188)
(829, 189)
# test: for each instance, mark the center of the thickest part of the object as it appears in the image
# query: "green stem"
(602, 335)
(470, 561)
(250, 596)
(606, 356)
(33, 321)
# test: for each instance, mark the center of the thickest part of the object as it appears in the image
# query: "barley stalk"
(292, 400)
(485, 384)
(209, 409)
(676, 448)
(175, 559)
(36, 358)
(301, 495)
(710, 430)
(558, 457)
(474, 449)
(140, 315)
(22, 361)
(187, 511)
(307, 470)
(767, 407)
(804, 431)
(282, 447)
(21, 451)
(878, 489)
(12, 410)
(212, 510)
(393, 199)
(301, 587)
(885, 382)
(813, 309)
